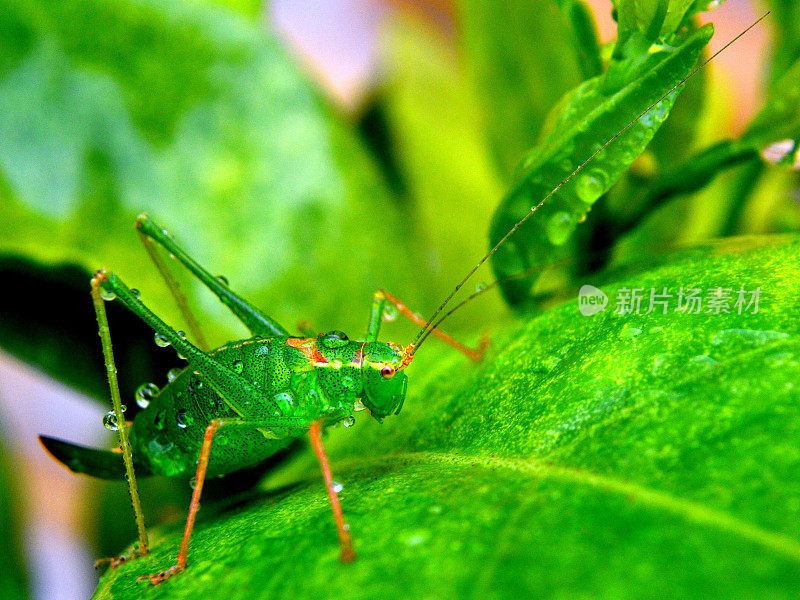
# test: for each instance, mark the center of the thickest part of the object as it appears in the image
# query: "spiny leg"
(200, 476)
(127, 453)
(256, 321)
(342, 528)
(379, 301)
(177, 294)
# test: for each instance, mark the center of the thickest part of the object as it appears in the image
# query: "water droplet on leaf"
(145, 393)
(107, 295)
(559, 227)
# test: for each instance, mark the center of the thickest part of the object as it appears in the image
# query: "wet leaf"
(607, 456)
(584, 120)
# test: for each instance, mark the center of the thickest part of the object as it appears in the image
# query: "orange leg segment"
(200, 477)
(342, 528)
(475, 354)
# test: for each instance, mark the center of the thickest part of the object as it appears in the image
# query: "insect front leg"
(256, 321)
(382, 297)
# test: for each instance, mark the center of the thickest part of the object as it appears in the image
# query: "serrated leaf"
(582, 123)
(640, 455)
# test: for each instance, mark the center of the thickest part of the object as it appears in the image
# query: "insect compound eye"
(387, 371)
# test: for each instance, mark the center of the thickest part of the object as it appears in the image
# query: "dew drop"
(348, 381)
(389, 312)
(335, 339)
(559, 227)
(161, 341)
(193, 482)
(337, 487)
(183, 419)
(110, 421)
(480, 287)
(181, 334)
(238, 367)
(145, 393)
(136, 293)
(747, 336)
(703, 362)
(172, 374)
(629, 332)
(590, 186)
(222, 279)
(107, 295)
(285, 400)
(349, 421)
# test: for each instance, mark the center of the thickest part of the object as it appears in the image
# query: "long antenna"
(425, 331)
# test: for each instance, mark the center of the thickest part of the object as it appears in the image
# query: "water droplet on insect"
(183, 419)
(629, 332)
(590, 186)
(238, 367)
(193, 482)
(110, 421)
(349, 421)
(222, 279)
(284, 400)
(181, 334)
(559, 227)
(334, 339)
(389, 312)
(161, 341)
(136, 293)
(107, 295)
(172, 374)
(145, 393)
(337, 487)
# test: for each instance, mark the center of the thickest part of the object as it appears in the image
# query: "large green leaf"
(639, 455)
(585, 120)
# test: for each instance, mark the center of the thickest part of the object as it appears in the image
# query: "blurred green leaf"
(779, 118)
(521, 57)
(13, 578)
(614, 456)
(192, 113)
(579, 126)
(445, 161)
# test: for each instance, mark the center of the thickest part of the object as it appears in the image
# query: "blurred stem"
(745, 184)
(687, 176)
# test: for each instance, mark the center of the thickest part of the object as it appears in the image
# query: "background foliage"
(584, 457)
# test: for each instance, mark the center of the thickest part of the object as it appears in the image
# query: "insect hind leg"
(256, 321)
